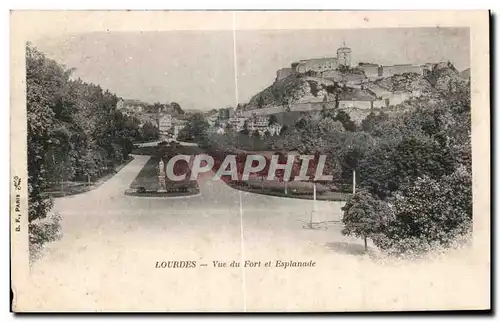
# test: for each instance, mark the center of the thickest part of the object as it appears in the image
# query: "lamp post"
(314, 220)
(354, 181)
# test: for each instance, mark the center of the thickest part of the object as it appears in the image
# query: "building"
(360, 99)
(231, 112)
(326, 65)
(428, 66)
(390, 70)
(130, 106)
(371, 71)
(283, 73)
(259, 123)
(274, 129)
(165, 125)
(379, 103)
(169, 126)
(178, 125)
(120, 105)
(237, 122)
(378, 90)
(223, 123)
(395, 98)
(212, 119)
(147, 117)
(317, 64)
(344, 56)
(399, 97)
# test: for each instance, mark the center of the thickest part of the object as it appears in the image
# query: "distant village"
(364, 91)
(170, 123)
(167, 117)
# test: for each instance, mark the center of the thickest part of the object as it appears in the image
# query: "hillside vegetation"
(309, 88)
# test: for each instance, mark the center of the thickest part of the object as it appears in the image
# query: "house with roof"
(130, 106)
(178, 125)
(396, 97)
(377, 90)
(212, 119)
(358, 98)
(315, 64)
(237, 122)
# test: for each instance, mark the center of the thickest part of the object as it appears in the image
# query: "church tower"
(344, 56)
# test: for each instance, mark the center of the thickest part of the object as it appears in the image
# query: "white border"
(186, 4)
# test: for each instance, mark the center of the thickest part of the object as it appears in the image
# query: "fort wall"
(283, 73)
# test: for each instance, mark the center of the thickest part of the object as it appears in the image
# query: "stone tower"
(344, 55)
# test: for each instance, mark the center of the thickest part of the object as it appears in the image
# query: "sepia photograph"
(257, 161)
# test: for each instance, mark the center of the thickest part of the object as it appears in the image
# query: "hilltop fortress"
(343, 58)
(333, 83)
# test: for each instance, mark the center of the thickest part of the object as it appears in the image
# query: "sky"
(197, 68)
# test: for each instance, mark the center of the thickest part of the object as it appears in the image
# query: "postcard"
(250, 161)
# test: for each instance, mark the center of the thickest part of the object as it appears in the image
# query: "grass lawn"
(297, 189)
(159, 151)
(147, 179)
(69, 188)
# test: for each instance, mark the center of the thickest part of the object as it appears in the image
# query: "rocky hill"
(465, 74)
(444, 76)
(300, 88)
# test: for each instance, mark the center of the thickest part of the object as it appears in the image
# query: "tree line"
(75, 132)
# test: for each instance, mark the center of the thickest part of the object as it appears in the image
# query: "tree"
(355, 147)
(44, 82)
(313, 87)
(177, 108)
(417, 167)
(392, 164)
(195, 129)
(158, 107)
(284, 130)
(346, 121)
(344, 69)
(418, 225)
(74, 133)
(260, 102)
(245, 130)
(364, 216)
(273, 120)
(229, 127)
(372, 121)
(149, 132)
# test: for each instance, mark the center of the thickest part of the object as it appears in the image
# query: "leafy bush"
(365, 216)
(314, 88)
(429, 213)
(42, 231)
(149, 132)
(301, 187)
